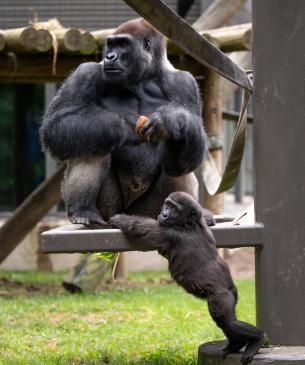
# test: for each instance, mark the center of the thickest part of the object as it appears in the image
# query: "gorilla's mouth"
(112, 70)
(161, 220)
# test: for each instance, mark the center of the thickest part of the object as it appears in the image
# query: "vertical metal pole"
(279, 150)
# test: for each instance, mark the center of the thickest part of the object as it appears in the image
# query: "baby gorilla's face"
(179, 209)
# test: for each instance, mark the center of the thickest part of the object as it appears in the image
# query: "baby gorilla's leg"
(83, 179)
(222, 309)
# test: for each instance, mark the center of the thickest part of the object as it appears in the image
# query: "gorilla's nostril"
(111, 56)
(135, 186)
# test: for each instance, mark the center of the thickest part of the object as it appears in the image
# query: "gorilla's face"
(180, 209)
(128, 59)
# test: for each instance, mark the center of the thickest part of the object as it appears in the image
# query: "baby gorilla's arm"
(147, 228)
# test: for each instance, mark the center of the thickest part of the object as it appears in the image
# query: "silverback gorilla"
(91, 123)
(194, 264)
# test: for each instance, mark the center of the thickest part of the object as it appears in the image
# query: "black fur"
(94, 114)
(195, 265)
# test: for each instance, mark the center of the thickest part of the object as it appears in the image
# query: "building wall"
(90, 15)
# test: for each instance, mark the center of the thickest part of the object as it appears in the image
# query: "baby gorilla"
(195, 265)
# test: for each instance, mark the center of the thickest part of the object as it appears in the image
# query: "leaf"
(105, 255)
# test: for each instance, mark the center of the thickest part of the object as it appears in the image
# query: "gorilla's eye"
(192, 214)
(147, 44)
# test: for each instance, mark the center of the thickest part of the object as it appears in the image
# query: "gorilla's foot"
(233, 347)
(87, 217)
(251, 350)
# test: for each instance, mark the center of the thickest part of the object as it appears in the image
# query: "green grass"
(150, 324)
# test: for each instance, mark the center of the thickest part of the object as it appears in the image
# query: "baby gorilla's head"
(180, 209)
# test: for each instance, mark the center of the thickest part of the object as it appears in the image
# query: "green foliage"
(146, 325)
(105, 255)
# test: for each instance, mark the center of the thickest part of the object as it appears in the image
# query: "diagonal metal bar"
(180, 32)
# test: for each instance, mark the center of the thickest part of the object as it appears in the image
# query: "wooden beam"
(234, 116)
(228, 39)
(20, 69)
(218, 14)
(213, 126)
(244, 60)
(29, 213)
(38, 68)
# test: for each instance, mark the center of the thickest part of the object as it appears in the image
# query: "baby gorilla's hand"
(115, 220)
(151, 130)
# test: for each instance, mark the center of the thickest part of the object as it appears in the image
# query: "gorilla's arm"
(182, 119)
(75, 125)
(147, 228)
(179, 123)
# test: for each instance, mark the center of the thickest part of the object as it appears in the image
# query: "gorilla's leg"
(82, 184)
(150, 203)
(222, 309)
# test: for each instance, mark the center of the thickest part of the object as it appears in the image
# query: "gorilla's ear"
(193, 216)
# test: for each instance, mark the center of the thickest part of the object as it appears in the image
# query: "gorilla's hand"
(151, 130)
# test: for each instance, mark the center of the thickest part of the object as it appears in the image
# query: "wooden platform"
(76, 238)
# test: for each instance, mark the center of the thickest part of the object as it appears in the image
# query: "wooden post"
(212, 116)
(121, 271)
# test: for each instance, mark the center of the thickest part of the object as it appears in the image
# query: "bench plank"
(76, 238)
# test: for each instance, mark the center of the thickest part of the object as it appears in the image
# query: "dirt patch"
(10, 287)
(133, 284)
(241, 262)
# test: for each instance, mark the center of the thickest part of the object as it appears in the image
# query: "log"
(218, 14)
(44, 40)
(88, 44)
(101, 35)
(244, 59)
(69, 40)
(2, 41)
(20, 39)
(30, 39)
(228, 39)
(29, 213)
(235, 38)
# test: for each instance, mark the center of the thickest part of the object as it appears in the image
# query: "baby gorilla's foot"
(87, 217)
(251, 350)
(233, 347)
